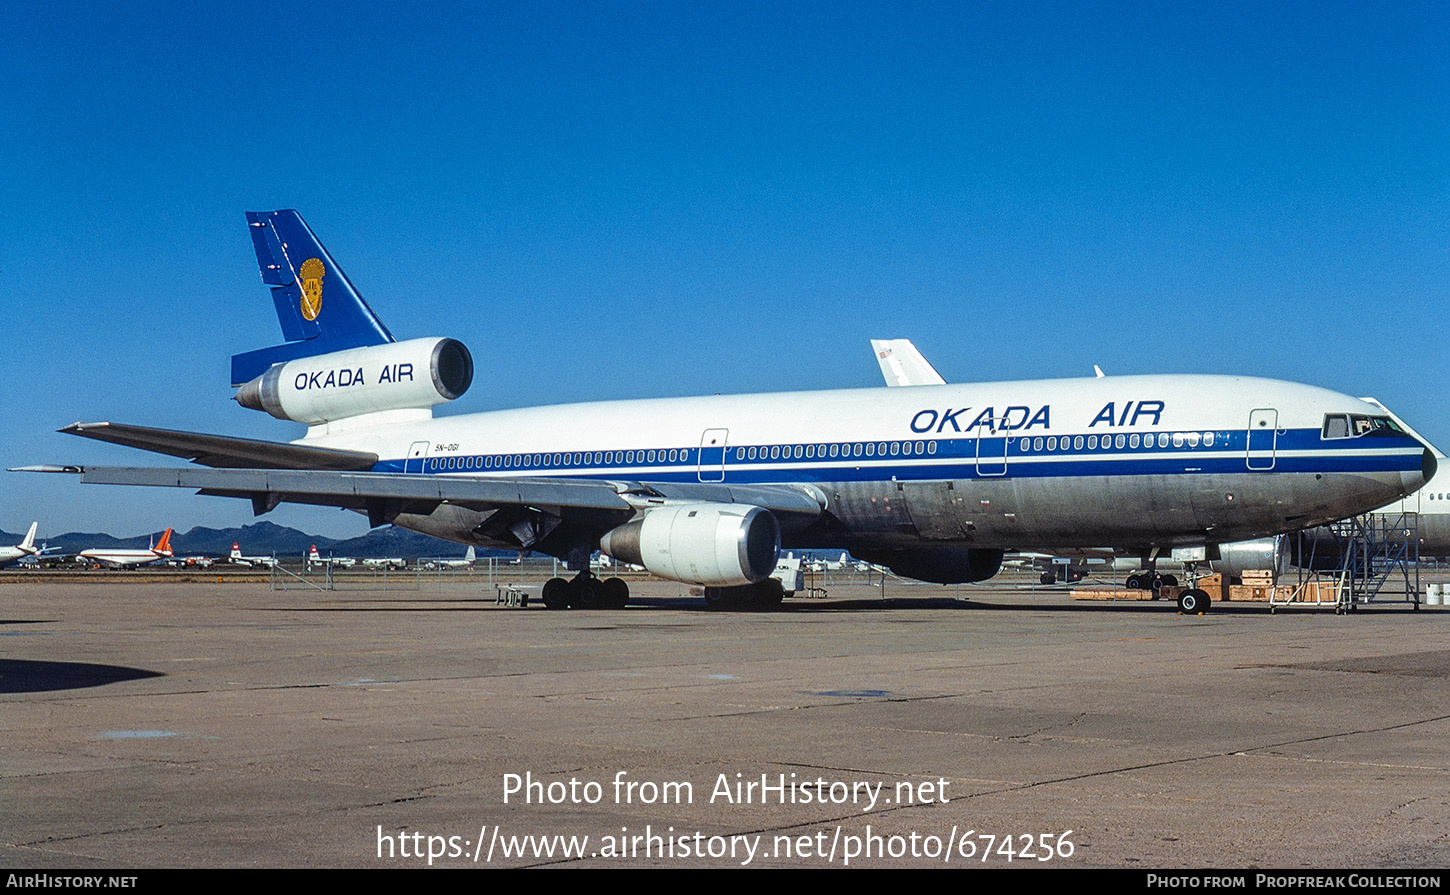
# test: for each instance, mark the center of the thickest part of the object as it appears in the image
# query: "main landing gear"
(584, 591)
(1150, 581)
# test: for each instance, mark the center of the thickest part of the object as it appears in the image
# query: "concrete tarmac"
(149, 723)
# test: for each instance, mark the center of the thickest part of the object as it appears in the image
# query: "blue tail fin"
(318, 307)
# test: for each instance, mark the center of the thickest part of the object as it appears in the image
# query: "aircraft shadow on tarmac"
(983, 602)
(28, 676)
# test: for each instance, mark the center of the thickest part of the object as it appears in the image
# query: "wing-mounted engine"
(714, 544)
(413, 375)
(1260, 555)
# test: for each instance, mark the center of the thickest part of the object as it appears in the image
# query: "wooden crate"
(1216, 586)
(1121, 593)
(1309, 592)
(1248, 593)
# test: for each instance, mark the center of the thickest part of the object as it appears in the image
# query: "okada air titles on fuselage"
(902, 365)
(934, 482)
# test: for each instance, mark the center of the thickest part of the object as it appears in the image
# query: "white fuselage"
(25, 548)
(122, 557)
(10, 554)
(236, 558)
(1133, 461)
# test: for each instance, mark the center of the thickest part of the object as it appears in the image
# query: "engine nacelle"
(416, 374)
(1261, 555)
(714, 544)
(939, 565)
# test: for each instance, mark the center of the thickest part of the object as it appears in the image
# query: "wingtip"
(47, 468)
(79, 427)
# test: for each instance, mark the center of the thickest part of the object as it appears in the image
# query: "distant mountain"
(257, 539)
(265, 539)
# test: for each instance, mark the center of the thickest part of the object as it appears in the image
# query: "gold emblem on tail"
(312, 274)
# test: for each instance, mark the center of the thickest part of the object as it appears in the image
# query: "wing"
(551, 515)
(532, 514)
(359, 490)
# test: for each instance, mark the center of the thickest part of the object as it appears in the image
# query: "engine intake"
(416, 374)
(714, 544)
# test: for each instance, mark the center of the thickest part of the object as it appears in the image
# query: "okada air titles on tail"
(933, 482)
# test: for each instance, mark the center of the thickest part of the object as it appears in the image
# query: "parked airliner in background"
(903, 365)
(316, 559)
(470, 556)
(933, 482)
(236, 558)
(388, 562)
(842, 564)
(120, 558)
(25, 548)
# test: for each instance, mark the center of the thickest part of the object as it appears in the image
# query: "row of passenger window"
(558, 461)
(835, 451)
(1038, 444)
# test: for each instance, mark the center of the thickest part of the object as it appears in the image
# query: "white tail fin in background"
(902, 364)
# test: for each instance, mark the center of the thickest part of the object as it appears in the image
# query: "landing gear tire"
(1155, 584)
(1134, 582)
(1048, 578)
(1193, 602)
(587, 592)
(769, 594)
(616, 593)
(556, 593)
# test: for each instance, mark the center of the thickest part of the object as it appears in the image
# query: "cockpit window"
(1375, 425)
(1354, 425)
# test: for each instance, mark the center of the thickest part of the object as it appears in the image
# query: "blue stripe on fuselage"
(1297, 451)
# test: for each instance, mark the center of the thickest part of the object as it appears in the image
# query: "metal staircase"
(1378, 561)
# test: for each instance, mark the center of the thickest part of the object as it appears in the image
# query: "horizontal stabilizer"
(224, 451)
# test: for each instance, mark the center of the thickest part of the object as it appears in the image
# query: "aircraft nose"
(1428, 465)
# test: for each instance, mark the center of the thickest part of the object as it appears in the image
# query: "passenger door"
(1263, 438)
(712, 455)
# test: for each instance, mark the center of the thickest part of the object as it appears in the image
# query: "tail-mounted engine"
(417, 374)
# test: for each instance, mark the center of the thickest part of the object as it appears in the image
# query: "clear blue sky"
(662, 198)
